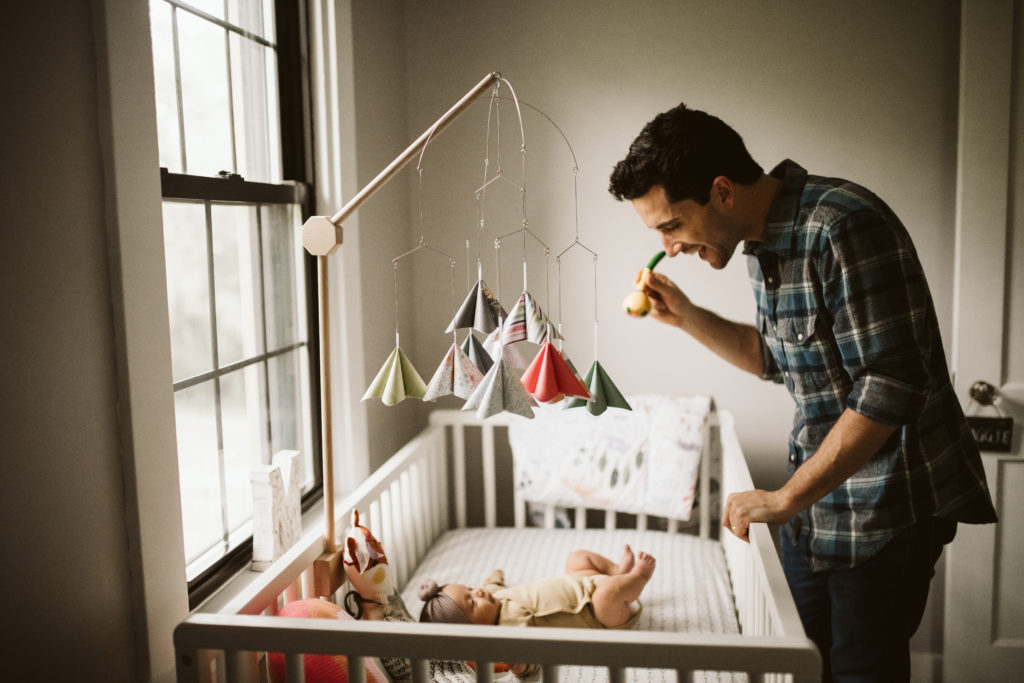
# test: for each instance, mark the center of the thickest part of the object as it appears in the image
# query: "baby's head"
(454, 603)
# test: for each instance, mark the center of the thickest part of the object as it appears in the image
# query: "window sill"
(311, 519)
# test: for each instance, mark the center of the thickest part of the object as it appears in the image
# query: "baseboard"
(925, 667)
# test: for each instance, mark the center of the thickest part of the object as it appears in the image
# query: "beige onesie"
(561, 601)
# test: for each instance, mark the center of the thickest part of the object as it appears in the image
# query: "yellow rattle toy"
(637, 303)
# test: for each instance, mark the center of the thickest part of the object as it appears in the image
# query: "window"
(241, 291)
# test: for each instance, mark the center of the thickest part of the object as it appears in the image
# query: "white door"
(984, 605)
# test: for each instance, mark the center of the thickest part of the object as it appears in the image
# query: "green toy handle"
(654, 260)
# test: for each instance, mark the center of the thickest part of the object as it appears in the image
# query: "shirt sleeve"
(882, 317)
(771, 372)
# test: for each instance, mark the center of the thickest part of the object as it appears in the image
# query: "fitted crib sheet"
(689, 592)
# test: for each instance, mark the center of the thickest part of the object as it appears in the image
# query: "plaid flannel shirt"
(847, 321)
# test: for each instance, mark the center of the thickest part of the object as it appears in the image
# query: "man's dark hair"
(683, 150)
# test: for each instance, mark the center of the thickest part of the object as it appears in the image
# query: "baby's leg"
(613, 595)
(587, 563)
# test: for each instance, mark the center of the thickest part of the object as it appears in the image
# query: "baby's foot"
(626, 565)
(644, 565)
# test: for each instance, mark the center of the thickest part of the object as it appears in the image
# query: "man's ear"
(724, 190)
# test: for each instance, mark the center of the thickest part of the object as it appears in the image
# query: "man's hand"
(741, 509)
(668, 303)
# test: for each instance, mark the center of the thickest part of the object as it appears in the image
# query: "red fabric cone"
(549, 375)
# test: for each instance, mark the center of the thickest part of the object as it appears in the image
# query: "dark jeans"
(861, 619)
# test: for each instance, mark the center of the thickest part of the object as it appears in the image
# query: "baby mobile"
(493, 377)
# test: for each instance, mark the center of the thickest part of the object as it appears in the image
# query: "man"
(882, 463)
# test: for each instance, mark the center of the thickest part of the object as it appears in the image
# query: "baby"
(594, 592)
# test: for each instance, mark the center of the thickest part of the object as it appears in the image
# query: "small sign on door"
(992, 433)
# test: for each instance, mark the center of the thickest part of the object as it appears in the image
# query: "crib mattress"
(689, 592)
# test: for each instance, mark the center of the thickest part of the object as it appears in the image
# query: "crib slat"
(356, 670)
(295, 669)
(308, 584)
(439, 461)
(609, 520)
(549, 673)
(490, 506)
(686, 676)
(616, 674)
(418, 495)
(420, 671)
(187, 665)
(459, 472)
(581, 517)
(519, 508)
(485, 672)
(236, 664)
(549, 516)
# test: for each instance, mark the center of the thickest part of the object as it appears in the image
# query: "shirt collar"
(781, 219)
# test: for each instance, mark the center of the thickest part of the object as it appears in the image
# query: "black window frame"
(297, 170)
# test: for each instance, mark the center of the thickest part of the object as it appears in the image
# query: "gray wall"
(68, 611)
(867, 92)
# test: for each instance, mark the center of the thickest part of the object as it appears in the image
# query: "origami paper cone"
(481, 310)
(500, 391)
(603, 391)
(456, 375)
(513, 359)
(549, 375)
(396, 380)
(527, 321)
(477, 353)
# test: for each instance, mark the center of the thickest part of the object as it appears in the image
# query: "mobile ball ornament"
(637, 303)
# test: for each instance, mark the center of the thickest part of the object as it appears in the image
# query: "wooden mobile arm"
(321, 236)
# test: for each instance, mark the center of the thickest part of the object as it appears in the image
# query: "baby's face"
(477, 604)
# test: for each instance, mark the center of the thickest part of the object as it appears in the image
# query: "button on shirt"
(846, 321)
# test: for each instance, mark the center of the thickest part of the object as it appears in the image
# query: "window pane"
(255, 16)
(285, 295)
(166, 89)
(204, 94)
(236, 262)
(188, 291)
(289, 409)
(214, 7)
(243, 401)
(198, 465)
(257, 132)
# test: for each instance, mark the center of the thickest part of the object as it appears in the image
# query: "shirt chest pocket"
(811, 360)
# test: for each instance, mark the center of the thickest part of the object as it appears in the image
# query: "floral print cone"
(510, 354)
(396, 380)
(481, 310)
(527, 322)
(477, 353)
(500, 391)
(549, 376)
(456, 375)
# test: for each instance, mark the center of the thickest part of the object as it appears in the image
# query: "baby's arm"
(495, 580)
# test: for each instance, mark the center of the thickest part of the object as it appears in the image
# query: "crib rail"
(616, 650)
(406, 503)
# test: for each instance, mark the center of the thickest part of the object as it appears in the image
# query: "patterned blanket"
(643, 461)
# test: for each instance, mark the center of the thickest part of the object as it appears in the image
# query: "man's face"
(686, 227)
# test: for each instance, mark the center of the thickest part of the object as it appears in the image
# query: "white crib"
(400, 505)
